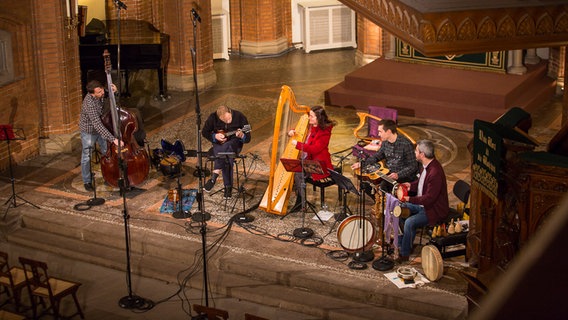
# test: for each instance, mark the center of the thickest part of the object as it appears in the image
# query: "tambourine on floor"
(432, 263)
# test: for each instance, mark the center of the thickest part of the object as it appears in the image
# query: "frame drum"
(400, 191)
(350, 233)
(401, 212)
(432, 263)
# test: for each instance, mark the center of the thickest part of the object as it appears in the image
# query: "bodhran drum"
(170, 165)
(401, 212)
(355, 233)
(432, 263)
(400, 191)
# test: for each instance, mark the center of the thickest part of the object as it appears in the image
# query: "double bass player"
(92, 129)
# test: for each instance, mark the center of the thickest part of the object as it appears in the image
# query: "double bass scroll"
(275, 199)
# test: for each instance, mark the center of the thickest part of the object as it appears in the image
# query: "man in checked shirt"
(398, 153)
(92, 129)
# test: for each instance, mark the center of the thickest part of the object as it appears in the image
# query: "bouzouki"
(246, 129)
(375, 172)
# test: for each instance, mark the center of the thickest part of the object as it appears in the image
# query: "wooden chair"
(12, 280)
(42, 287)
(211, 313)
(324, 183)
(371, 122)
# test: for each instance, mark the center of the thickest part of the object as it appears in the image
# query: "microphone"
(120, 4)
(195, 15)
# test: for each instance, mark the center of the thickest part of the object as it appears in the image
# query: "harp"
(288, 112)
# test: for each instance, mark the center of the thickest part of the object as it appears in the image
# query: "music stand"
(8, 134)
(346, 186)
(309, 167)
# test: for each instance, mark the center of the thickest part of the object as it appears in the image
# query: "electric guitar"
(246, 129)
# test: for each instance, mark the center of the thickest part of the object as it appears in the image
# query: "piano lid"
(131, 32)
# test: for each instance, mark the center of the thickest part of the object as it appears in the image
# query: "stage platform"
(446, 94)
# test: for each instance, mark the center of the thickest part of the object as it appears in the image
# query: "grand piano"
(142, 46)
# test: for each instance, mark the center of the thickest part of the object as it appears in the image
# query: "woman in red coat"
(315, 147)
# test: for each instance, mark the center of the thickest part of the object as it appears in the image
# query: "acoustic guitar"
(246, 129)
(375, 173)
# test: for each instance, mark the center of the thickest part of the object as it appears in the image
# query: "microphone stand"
(362, 256)
(130, 301)
(383, 263)
(94, 201)
(303, 232)
(200, 216)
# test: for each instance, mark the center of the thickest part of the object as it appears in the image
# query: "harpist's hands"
(356, 165)
(291, 133)
(294, 142)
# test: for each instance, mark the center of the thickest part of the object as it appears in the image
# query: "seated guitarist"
(398, 153)
(224, 128)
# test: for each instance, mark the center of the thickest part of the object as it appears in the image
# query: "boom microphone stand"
(130, 301)
(200, 216)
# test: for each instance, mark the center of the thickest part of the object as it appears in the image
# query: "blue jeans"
(416, 220)
(88, 145)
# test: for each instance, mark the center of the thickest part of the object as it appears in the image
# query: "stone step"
(241, 274)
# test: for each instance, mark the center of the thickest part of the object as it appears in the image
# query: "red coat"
(317, 148)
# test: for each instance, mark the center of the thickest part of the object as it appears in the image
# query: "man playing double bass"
(226, 129)
(92, 128)
(398, 153)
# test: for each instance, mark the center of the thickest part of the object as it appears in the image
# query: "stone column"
(264, 26)
(391, 51)
(517, 67)
(532, 57)
(369, 41)
(178, 23)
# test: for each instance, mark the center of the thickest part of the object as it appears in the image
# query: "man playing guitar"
(397, 152)
(227, 130)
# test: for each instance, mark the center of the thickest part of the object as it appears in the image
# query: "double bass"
(275, 199)
(130, 162)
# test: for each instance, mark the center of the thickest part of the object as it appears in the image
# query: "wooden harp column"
(280, 182)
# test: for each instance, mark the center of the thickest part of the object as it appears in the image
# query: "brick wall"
(19, 105)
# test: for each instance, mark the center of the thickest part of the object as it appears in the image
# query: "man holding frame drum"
(427, 198)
